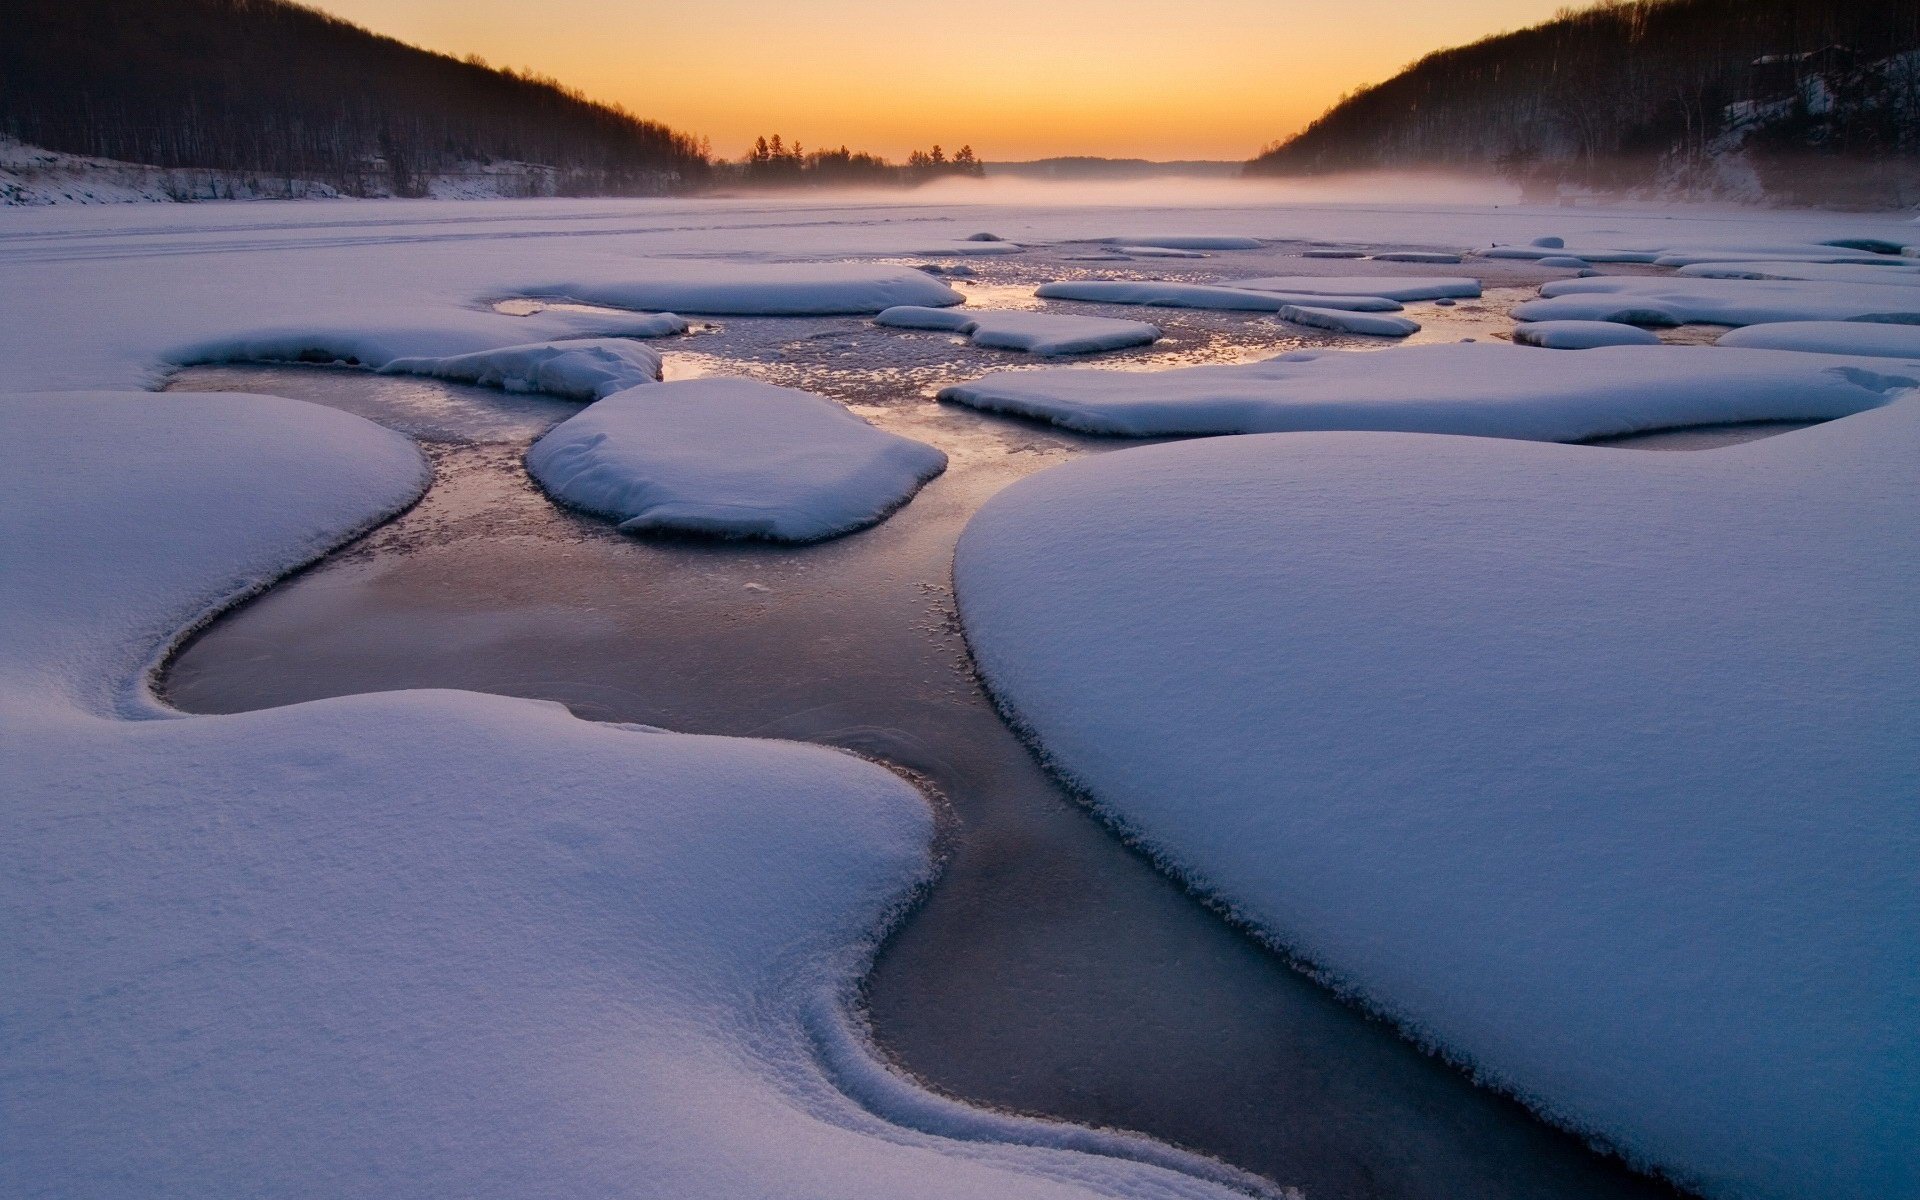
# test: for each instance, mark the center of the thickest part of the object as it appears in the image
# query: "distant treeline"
(773, 162)
(277, 89)
(1616, 94)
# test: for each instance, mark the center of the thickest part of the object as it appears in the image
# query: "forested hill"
(274, 88)
(1708, 96)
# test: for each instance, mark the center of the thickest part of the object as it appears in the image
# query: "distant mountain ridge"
(1699, 97)
(280, 91)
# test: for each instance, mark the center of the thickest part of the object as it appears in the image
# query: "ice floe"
(575, 370)
(1342, 321)
(730, 458)
(1390, 287)
(423, 943)
(1591, 767)
(1678, 301)
(760, 289)
(1033, 332)
(1583, 335)
(1416, 256)
(1160, 294)
(1871, 338)
(1488, 389)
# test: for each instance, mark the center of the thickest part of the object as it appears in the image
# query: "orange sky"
(1016, 78)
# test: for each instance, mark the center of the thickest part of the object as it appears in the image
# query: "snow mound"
(1342, 321)
(1160, 294)
(761, 289)
(1565, 261)
(1190, 241)
(1036, 333)
(1583, 335)
(1390, 287)
(468, 337)
(1872, 339)
(1591, 767)
(1486, 389)
(586, 369)
(423, 943)
(1162, 252)
(1642, 301)
(730, 458)
(1891, 272)
(1416, 256)
(967, 247)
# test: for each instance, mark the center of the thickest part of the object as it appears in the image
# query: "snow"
(584, 369)
(769, 289)
(1349, 322)
(1485, 389)
(1390, 287)
(1330, 252)
(1161, 294)
(1566, 261)
(1034, 332)
(730, 458)
(1162, 252)
(1592, 768)
(1676, 301)
(424, 943)
(1892, 271)
(1416, 256)
(33, 176)
(1582, 335)
(1699, 253)
(1868, 338)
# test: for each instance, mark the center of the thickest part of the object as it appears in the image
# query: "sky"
(1016, 79)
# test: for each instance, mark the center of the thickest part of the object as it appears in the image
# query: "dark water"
(1051, 971)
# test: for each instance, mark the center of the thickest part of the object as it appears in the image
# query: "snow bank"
(1487, 389)
(1160, 294)
(1870, 338)
(1893, 271)
(1592, 767)
(1349, 322)
(1390, 287)
(1643, 301)
(761, 289)
(1582, 335)
(425, 943)
(1034, 332)
(731, 458)
(586, 369)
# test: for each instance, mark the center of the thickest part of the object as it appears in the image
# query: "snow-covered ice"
(1592, 767)
(1390, 287)
(1342, 321)
(1185, 241)
(1894, 271)
(1486, 389)
(730, 458)
(1584, 335)
(584, 369)
(1680, 301)
(1871, 338)
(424, 943)
(721, 288)
(1159, 294)
(1033, 332)
(1416, 256)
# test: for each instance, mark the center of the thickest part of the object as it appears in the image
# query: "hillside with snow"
(1751, 100)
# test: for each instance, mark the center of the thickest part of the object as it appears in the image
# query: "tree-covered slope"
(1635, 92)
(274, 87)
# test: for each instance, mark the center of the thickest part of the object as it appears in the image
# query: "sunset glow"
(1131, 78)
